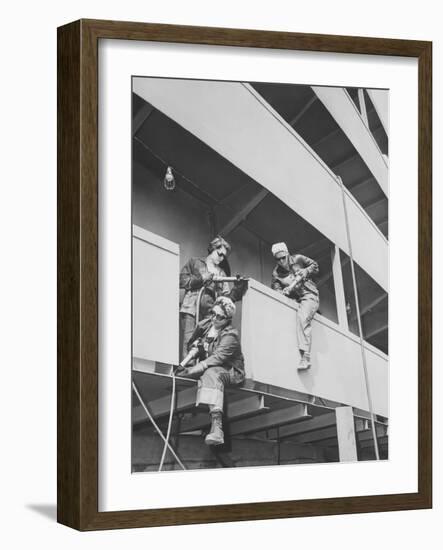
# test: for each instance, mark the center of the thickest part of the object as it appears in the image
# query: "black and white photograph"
(260, 274)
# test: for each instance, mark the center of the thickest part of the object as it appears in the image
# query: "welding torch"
(236, 279)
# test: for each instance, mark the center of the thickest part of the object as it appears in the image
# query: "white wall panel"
(369, 246)
(269, 343)
(155, 297)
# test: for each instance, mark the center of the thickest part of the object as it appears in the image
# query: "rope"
(360, 332)
(174, 454)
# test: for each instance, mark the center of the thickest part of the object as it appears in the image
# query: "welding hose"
(197, 305)
(148, 414)
(215, 279)
(171, 408)
(171, 414)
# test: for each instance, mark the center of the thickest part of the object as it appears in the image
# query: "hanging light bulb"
(169, 180)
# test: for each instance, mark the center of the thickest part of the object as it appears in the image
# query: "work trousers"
(187, 322)
(212, 384)
(306, 311)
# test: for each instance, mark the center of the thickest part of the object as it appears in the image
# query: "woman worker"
(223, 365)
(198, 273)
(292, 277)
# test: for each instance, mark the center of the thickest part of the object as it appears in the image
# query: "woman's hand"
(207, 277)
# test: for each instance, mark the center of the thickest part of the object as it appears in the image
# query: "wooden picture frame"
(78, 273)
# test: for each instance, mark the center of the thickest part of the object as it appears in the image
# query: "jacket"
(298, 265)
(224, 351)
(191, 281)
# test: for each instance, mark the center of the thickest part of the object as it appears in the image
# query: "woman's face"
(218, 254)
(282, 259)
(219, 319)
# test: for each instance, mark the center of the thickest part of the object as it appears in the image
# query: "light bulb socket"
(169, 180)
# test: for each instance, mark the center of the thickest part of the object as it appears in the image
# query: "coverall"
(191, 281)
(224, 364)
(306, 293)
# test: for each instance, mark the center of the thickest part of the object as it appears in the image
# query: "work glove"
(207, 277)
(192, 372)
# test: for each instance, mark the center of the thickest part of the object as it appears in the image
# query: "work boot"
(305, 362)
(215, 436)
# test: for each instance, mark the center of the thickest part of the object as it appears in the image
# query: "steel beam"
(382, 443)
(376, 331)
(371, 305)
(271, 420)
(345, 161)
(380, 430)
(185, 400)
(361, 184)
(375, 204)
(303, 111)
(141, 116)
(326, 137)
(355, 126)
(328, 435)
(241, 216)
(235, 410)
(310, 425)
(316, 436)
(326, 277)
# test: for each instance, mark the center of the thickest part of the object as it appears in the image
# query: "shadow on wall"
(48, 511)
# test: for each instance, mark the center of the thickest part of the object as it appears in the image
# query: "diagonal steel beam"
(303, 111)
(376, 331)
(344, 162)
(326, 277)
(360, 184)
(371, 305)
(241, 216)
(375, 203)
(142, 114)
